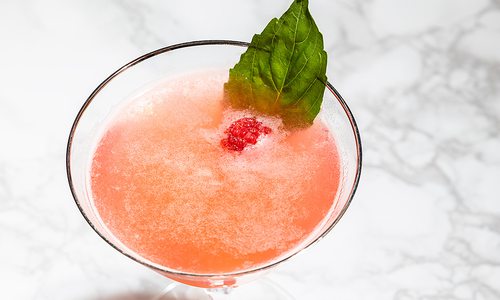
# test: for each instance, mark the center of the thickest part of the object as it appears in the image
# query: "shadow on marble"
(149, 296)
(128, 296)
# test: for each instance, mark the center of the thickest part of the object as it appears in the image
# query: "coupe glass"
(180, 59)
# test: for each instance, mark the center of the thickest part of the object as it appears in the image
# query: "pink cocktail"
(149, 173)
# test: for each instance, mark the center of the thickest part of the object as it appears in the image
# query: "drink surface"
(164, 186)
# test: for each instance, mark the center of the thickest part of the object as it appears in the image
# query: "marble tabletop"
(422, 78)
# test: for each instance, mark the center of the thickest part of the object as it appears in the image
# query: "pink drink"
(165, 187)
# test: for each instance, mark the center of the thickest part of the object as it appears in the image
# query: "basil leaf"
(283, 71)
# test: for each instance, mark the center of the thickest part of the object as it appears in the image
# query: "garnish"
(283, 71)
(242, 133)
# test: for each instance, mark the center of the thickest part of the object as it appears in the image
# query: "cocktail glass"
(180, 59)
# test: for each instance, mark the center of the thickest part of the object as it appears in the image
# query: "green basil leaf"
(283, 71)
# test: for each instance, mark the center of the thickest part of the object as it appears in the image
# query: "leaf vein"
(291, 54)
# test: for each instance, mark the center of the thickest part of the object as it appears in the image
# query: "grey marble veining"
(422, 78)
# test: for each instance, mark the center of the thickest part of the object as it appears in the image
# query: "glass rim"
(158, 267)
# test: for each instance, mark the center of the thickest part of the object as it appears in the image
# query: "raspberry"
(243, 132)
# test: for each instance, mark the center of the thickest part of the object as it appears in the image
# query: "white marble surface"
(422, 78)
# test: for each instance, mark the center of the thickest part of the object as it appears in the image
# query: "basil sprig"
(283, 71)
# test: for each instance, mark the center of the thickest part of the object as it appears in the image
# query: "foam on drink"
(165, 187)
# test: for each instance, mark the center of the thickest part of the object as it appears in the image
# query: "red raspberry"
(242, 133)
